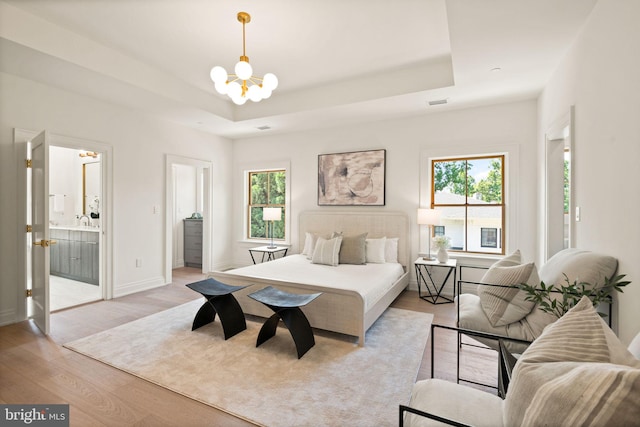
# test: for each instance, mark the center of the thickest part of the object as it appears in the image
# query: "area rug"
(335, 383)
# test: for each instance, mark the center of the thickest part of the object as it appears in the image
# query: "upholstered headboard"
(377, 224)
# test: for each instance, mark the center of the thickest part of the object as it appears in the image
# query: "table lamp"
(271, 214)
(428, 217)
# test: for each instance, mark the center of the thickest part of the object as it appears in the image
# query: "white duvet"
(371, 281)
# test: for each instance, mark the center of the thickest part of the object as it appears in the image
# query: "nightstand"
(270, 253)
(425, 276)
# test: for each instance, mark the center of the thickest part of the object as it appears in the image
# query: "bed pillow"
(505, 305)
(352, 249)
(576, 373)
(391, 249)
(327, 251)
(310, 241)
(376, 250)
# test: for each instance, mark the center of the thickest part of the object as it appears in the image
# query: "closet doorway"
(188, 192)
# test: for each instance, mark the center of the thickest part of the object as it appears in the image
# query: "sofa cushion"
(455, 402)
(578, 373)
(473, 317)
(506, 304)
(577, 264)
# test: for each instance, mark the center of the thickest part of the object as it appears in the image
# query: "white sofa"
(522, 320)
(576, 373)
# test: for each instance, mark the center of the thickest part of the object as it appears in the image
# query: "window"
(469, 193)
(267, 189)
(438, 230)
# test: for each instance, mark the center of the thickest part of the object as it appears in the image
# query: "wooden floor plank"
(37, 369)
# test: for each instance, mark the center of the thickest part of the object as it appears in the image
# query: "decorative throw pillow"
(352, 250)
(576, 373)
(510, 261)
(310, 241)
(375, 249)
(391, 249)
(327, 251)
(506, 304)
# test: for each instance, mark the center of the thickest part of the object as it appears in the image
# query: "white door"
(40, 231)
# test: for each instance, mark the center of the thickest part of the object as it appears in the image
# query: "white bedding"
(371, 281)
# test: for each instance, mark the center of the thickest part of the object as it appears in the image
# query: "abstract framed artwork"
(352, 179)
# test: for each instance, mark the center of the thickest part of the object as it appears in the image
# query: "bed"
(353, 296)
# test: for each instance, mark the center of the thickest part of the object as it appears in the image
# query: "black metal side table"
(425, 276)
(219, 300)
(286, 306)
(267, 251)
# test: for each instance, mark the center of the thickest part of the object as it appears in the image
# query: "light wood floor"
(37, 369)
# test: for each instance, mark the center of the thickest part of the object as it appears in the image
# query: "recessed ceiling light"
(265, 127)
(496, 70)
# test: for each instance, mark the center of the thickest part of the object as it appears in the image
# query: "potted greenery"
(558, 299)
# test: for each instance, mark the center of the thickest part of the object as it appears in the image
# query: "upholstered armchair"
(500, 308)
(576, 372)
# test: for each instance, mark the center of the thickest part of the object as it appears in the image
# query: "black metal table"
(268, 251)
(219, 299)
(433, 289)
(286, 306)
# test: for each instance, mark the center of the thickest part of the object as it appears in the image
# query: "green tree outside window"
(267, 189)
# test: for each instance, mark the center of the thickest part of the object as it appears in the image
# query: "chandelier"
(243, 84)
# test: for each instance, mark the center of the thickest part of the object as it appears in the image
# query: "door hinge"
(29, 228)
(28, 293)
(28, 163)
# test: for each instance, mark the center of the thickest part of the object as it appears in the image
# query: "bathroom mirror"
(91, 188)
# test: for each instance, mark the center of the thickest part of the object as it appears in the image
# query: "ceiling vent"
(265, 127)
(438, 102)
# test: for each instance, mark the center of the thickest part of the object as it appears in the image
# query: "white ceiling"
(337, 61)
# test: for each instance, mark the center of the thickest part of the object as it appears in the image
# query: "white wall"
(409, 142)
(140, 144)
(600, 75)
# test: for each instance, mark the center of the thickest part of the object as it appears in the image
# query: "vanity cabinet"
(193, 243)
(76, 256)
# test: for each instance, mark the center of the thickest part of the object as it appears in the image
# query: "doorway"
(34, 299)
(198, 174)
(560, 210)
(75, 187)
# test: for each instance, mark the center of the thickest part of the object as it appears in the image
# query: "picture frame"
(355, 178)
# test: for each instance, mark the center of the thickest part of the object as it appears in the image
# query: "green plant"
(558, 300)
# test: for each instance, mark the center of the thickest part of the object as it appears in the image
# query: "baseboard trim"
(133, 287)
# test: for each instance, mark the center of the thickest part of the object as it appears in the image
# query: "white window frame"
(266, 167)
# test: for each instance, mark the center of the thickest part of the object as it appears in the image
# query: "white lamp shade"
(428, 216)
(239, 100)
(219, 74)
(271, 214)
(270, 81)
(254, 93)
(234, 90)
(221, 87)
(243, 70)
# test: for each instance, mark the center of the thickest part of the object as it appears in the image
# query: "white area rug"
(335, 383)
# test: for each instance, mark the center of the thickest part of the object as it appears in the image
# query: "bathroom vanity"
(76, 255)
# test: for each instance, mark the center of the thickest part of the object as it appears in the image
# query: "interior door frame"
(207, 211)
(560, 131)
(20, 138)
